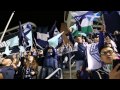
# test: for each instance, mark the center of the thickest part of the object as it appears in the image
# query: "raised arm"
(101, 36)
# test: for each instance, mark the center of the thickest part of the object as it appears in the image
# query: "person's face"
(41, 52)
(50, 51)
(107, 39)
(79, 39)
(96, 39)
(83, 40)
(107, 55)
(6, 62)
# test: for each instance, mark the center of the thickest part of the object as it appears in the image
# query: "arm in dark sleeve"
(101, 39)
(71, 38)
(94, 75)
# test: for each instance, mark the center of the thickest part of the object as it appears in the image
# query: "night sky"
(40, 18)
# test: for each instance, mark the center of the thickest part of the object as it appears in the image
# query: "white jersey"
(93, 57)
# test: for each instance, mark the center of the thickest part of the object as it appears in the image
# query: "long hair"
(33, 65)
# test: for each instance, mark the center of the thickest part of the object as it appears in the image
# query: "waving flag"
(77, 14)
(13, 41)
(7, 51)
(54, 32)
(23, 40)
(54, 41)
(41, 36)
(28, 33)
(93, 16)
(81, 21)
(86, 26)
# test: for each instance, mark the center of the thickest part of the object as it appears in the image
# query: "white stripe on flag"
(42, 36)
(78, 13)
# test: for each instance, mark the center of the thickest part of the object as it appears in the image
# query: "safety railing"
(58, 69)
(70, 66)
(16, 27)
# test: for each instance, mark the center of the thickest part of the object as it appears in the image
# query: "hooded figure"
(50, 63)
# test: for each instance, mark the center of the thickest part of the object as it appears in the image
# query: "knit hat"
(78, 34)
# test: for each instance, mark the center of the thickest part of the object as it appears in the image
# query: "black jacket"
(81, 53)
(99, 74)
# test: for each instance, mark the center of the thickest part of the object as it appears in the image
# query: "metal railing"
(70, 66)
(58, 69)
(16, 27)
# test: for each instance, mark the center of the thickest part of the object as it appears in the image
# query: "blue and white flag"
(7, 51)
(41, 36)
(15, 41)
(23, 39)
(77, 14)
(93, 16)
(28, 33)
(54, 32)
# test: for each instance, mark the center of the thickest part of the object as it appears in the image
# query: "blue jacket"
(8, 72)
(50, 60)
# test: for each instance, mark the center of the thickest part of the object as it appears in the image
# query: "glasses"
(105, 52)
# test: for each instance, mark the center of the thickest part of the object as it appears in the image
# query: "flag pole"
(7, 26)
(103, 22)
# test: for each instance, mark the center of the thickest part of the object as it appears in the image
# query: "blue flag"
(112, 21)
(23, 40)
(52, 30)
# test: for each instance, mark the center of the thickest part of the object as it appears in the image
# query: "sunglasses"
(105, 52)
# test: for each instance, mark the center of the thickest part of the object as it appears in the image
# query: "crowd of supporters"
(99, 48)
